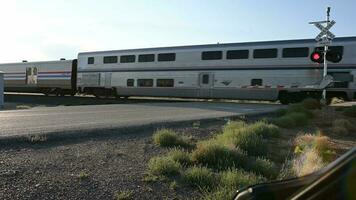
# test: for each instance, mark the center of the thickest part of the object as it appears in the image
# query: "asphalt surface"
(42, 120)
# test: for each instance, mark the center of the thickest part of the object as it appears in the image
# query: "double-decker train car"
(273, 70)
(48, 77)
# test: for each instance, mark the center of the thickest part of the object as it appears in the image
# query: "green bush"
(246, 139)
(265, 129)
(262, 166)
(292, 120)
(350, 112)
(169, 138)
(233, 125)
(311, 103)
(200, 177)
(300, 119)
(236, 179)
(285, 121)
(164, 166)
(280, 112)
(298, 108)
(221, 193)
(180, 155)
(216, 155)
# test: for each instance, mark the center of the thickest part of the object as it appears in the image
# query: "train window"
(165, 83)
(205, 79)
(146, 58)
(90, 60)
(145, 82)
(256, 82)
(265, 53)
(130, 82)
(127, 59)
(299, 52)
(237, 54)
(166, 57)
(110, 59)
(211, 55)
(339, 49)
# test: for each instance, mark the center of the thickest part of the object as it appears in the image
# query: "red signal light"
(317, 57)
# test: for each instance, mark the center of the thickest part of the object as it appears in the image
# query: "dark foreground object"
(336, 181)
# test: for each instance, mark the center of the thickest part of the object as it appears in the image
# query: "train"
(268, 70)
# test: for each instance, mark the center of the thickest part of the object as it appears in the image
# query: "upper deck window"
(110, 59)
(339, 49)
(265, 53)
(237, 54)
(127, 59)
(146, 58)
(299, 52)
(166, 57)
(211, 55)
(90, 60)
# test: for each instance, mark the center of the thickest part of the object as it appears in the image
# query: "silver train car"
(48, 77)
(273, 70)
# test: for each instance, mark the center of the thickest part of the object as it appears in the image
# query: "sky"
(49, 30)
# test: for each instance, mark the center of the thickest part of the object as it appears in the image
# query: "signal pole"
(325, 38)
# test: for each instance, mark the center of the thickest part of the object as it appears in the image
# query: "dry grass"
(307, 163)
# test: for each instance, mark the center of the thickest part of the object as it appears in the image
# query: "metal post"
(326, 48)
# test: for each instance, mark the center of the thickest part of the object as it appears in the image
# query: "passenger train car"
(274, 70)
(48, 77)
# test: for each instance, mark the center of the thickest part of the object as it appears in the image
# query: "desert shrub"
(300, 119)
(180, 155)
(339, 130)
(200, 177)
(221, 193)
(311, 103)
(285, 121)
(124, 195)
(169, 138)
(341, 126)
(233, 125)
(350, 112)
(262, 166)
(216, 155)
(265, 129)
(280, 112)
(292, 120)
(307, 163)
(163, 166)
(342, 123)
(298, 108)
(318, 143)
(235, 178)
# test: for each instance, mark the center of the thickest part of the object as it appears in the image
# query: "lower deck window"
(165, 83)
(130, 82)
(145, 82)
(256, 82)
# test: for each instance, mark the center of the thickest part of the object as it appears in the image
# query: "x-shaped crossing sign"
(325, 31)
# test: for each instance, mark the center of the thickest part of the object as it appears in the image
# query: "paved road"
(65, 118)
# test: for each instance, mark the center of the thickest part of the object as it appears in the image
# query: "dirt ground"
(99, 168)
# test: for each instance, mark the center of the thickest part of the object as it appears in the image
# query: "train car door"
(31, 75)
(105, 79)
(205, 83)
